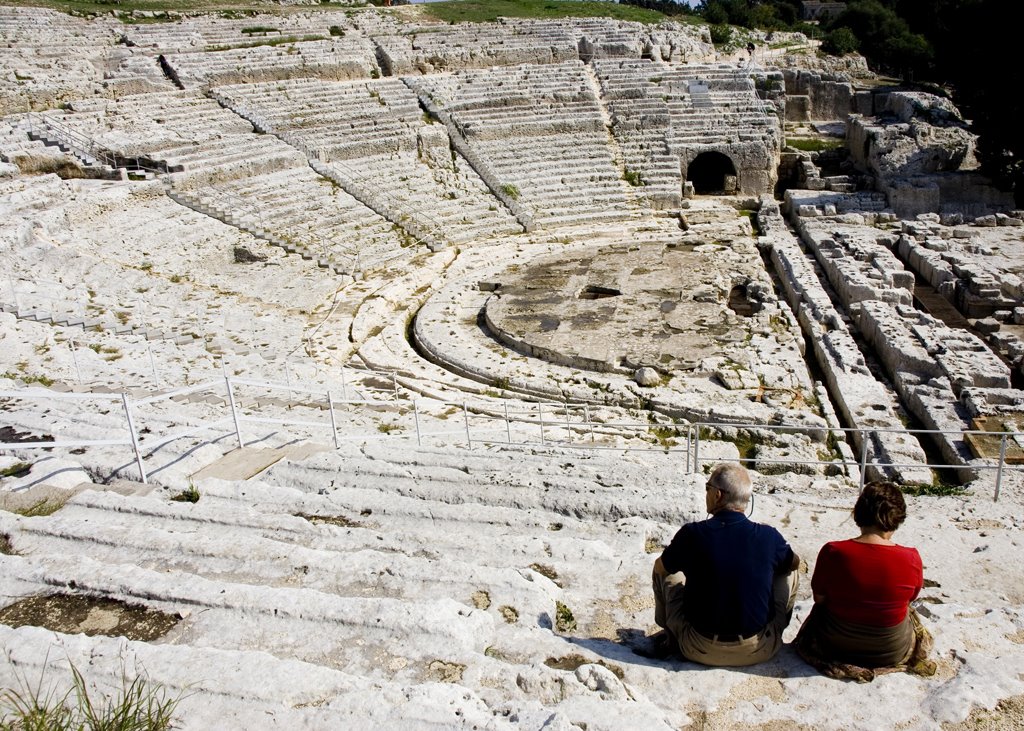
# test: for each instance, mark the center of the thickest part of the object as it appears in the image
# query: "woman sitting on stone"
(862, 623)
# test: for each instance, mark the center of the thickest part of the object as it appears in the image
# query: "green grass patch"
(19, 469)
(42, 508)
(485, 11)
(816, 145)
(139, 705)
(564, 619)
(935, 489)
(547, 572)
(28, 379)
(281, 41)
(123, 8)
(633, 177)
(511, 191)
(189, 495)
(665, 435)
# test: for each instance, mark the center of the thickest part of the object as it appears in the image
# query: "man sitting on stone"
(724, 588)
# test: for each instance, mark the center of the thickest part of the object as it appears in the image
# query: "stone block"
(986, 325)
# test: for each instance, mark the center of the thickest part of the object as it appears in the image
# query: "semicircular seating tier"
(665, 116)
(538, 136)
(37, 70)
(219, 166)
(432, 48)
(212, 33)
(345, 57)
(372, 138)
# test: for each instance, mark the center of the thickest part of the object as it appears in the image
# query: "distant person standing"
(724, 588)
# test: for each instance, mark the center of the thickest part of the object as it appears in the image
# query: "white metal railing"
(562, 425)
(84, 146)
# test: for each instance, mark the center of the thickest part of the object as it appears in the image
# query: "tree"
(840, 42)
(885, 38)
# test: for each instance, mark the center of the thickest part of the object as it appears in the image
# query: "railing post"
(416, 416)
(696, 449)
(465, 419)
(334, 424)
(999, 468)
(689, 445)
(152, 364)
(234, 411)
(863, 458)
(508, 424)
(134, 437)
(540, 417)
(590, 424)
(394, 384)
(568, 424)
(74, 358)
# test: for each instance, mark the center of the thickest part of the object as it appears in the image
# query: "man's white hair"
(735, 484)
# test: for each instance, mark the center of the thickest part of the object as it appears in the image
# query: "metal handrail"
(559, 416)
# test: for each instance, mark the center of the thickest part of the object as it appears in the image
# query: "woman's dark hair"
(881, 505)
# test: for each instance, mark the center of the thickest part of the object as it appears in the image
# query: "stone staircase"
(102, 163)
(99, 323)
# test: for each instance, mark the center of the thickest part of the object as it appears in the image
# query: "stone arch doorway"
(712, 172)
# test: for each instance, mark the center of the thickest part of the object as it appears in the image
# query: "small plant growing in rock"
(509, 614)
(189, 495)
(18, 469)
(511, 191)
(547, 572)
(42, 508)
(564, 619)
(665, 435)
(632, 177)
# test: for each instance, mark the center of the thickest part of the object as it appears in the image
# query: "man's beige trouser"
(668, 614)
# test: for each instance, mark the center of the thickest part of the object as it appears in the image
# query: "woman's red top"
(867, 583)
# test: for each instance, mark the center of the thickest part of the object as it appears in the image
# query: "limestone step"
(227, 615)
(244, 688)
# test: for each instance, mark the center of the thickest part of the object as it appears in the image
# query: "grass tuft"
(18, 469)
(935, 489)
(564, 619)
(487, 11)
(42, 508)
(815, 145)
(140, 705)
(189, 495)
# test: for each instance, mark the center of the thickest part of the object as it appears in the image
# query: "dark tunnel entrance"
(712, 173)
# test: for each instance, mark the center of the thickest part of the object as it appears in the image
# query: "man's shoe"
(659, 646)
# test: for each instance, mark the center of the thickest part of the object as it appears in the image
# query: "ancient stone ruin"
(375, 359)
